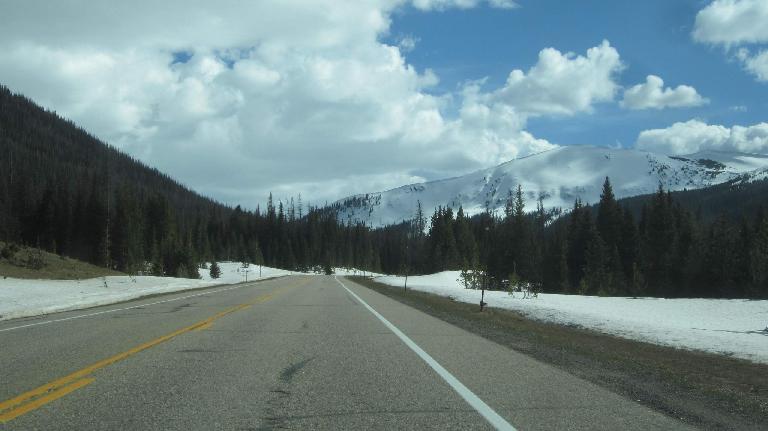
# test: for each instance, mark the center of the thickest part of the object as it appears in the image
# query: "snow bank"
(733, 327)
(25, 298)
(354, 271)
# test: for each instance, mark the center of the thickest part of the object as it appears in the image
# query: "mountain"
(558, 177)
(64, 191)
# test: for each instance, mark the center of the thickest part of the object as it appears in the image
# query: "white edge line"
(239, 286)
(473, 400)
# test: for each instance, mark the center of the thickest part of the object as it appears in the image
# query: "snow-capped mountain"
(558, 176)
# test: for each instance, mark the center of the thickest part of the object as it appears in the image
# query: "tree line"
(668, 250)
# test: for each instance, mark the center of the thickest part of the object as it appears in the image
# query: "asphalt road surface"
(304, 352)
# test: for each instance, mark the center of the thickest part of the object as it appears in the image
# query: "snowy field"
(24, 298)
(733, 327)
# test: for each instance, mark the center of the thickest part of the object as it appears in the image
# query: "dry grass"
(49, 267)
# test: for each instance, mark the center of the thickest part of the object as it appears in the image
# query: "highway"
(299, 352)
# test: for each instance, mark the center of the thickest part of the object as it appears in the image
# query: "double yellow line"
(28, 401)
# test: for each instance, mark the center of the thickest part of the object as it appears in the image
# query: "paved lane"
(291, 353)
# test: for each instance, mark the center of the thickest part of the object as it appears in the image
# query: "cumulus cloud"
(756, 64)
(563, 84)
(736, 23)
(285, 95)
(732, 22)
(653, 95)
(463, 4)
(694, 135)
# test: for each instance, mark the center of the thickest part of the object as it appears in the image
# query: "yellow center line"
(44, 394)
(50, 396)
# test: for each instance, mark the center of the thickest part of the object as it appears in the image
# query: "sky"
(325, 98)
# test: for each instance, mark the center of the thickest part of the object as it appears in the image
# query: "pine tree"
(638, 282)
(656, 245)
(509, 205)
(521, 238)
(421, 222)
(596, 278)
(758, 262)
(609, 216)
(562, 269)
(578, 237)
(215, 271)
(610, 226)
(628, 245)
(465, 240)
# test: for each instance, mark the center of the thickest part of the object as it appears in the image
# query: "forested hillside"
(703, 243)
(64, 191)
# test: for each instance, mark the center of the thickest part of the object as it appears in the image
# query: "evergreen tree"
(609, 216)
(758, 260)
(215, 270)
(595, 279)
(520, 238)
(578, 237)
(657, 242)
(465, 240)
(628, 245)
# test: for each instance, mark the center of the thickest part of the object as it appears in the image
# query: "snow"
(354, 271)
(559, 176)
(732, 327)
(25, 298)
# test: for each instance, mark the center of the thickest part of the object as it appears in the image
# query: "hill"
(31, 263)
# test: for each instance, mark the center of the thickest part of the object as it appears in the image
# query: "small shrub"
(9, 251)
(472, 278)
(35, 259)
(328, 269)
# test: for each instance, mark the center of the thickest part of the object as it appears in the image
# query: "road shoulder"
(704, 390)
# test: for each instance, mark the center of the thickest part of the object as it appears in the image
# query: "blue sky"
(652, 37)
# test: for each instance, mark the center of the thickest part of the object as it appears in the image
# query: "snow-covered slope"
(734, 327)
(558, 176)
(24, 298)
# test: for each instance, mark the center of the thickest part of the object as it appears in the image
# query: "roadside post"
(482, 292)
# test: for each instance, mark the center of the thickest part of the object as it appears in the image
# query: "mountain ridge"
(557, 177)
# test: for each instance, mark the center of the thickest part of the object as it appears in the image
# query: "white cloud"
(496, 129)
(563, 84)
(407, 43)
(732, 22)
(735, 23)
(503, 4)
(653, 95)
(694, 135)
(756, 64)
(284, 95)
(462, 4)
